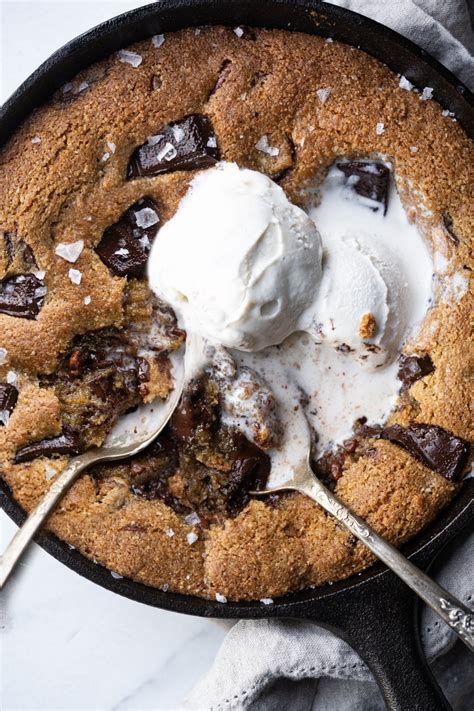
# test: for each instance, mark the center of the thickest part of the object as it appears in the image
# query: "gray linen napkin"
(271, 665)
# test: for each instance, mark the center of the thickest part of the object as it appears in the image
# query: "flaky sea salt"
(49, 472)
(40, 274)
(67, 87)
(168, 152)
(144, 242)
(238, 31)
(75, 276)
(447, 113)
(128, 57)
(380, 128)
(165, 587)
(178, 133)
(153, 140)
(197, 31)
(11, 377)
(192, 519)
(323, 94)
(426, 94)
(266, 600)
(115, 575)
(105, 157)
(221, 598)
(192, 538)
(111, 146)
(4, 417)
(413, 149)
(329, 40)
(70, 251)
(122, 252)
(157, 40)
(169, 532)
(405, 84)
(87, 300)
(3, 355)
(36, 139)
(263, 146)
(212, 142)
(82, 87)
(146, 218)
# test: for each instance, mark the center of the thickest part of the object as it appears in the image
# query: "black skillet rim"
(120, 31)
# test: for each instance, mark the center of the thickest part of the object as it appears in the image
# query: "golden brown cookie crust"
(60, 189)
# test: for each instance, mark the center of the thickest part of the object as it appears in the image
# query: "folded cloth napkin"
(271, 665)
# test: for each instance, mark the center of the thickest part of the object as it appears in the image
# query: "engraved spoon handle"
(35, 520)
(445, 605)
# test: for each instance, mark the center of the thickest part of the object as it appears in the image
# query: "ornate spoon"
(131, 434)
(301, 478)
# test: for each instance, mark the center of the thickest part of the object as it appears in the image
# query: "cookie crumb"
(367, 325)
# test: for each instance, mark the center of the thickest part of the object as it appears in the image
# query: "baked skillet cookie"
(84, 190)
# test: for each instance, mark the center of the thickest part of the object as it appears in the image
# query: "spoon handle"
(37, 517)
(445, 605)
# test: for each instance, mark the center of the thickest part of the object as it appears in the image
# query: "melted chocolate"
(68, 442)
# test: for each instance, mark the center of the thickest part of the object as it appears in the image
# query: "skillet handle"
(379, 621)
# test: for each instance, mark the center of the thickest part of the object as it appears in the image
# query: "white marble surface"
(66, 643)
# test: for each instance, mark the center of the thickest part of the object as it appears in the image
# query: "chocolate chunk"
(125, 246)
(437, 448)
(18, 253)
(412, 368)
(369, 179)
(8, 398)
(185, 145)
(22, 296)
(448, 226)
(68, 442)
(250, 471)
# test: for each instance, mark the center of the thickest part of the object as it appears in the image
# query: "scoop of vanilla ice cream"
(376, 281)
(361, 303)
(239, 263)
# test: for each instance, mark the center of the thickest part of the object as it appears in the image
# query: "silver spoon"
(301, 478)
(131, 434)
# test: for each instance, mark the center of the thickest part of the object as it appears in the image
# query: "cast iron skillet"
(373, 611)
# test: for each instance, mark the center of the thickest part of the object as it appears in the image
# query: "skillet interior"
(311, 17)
